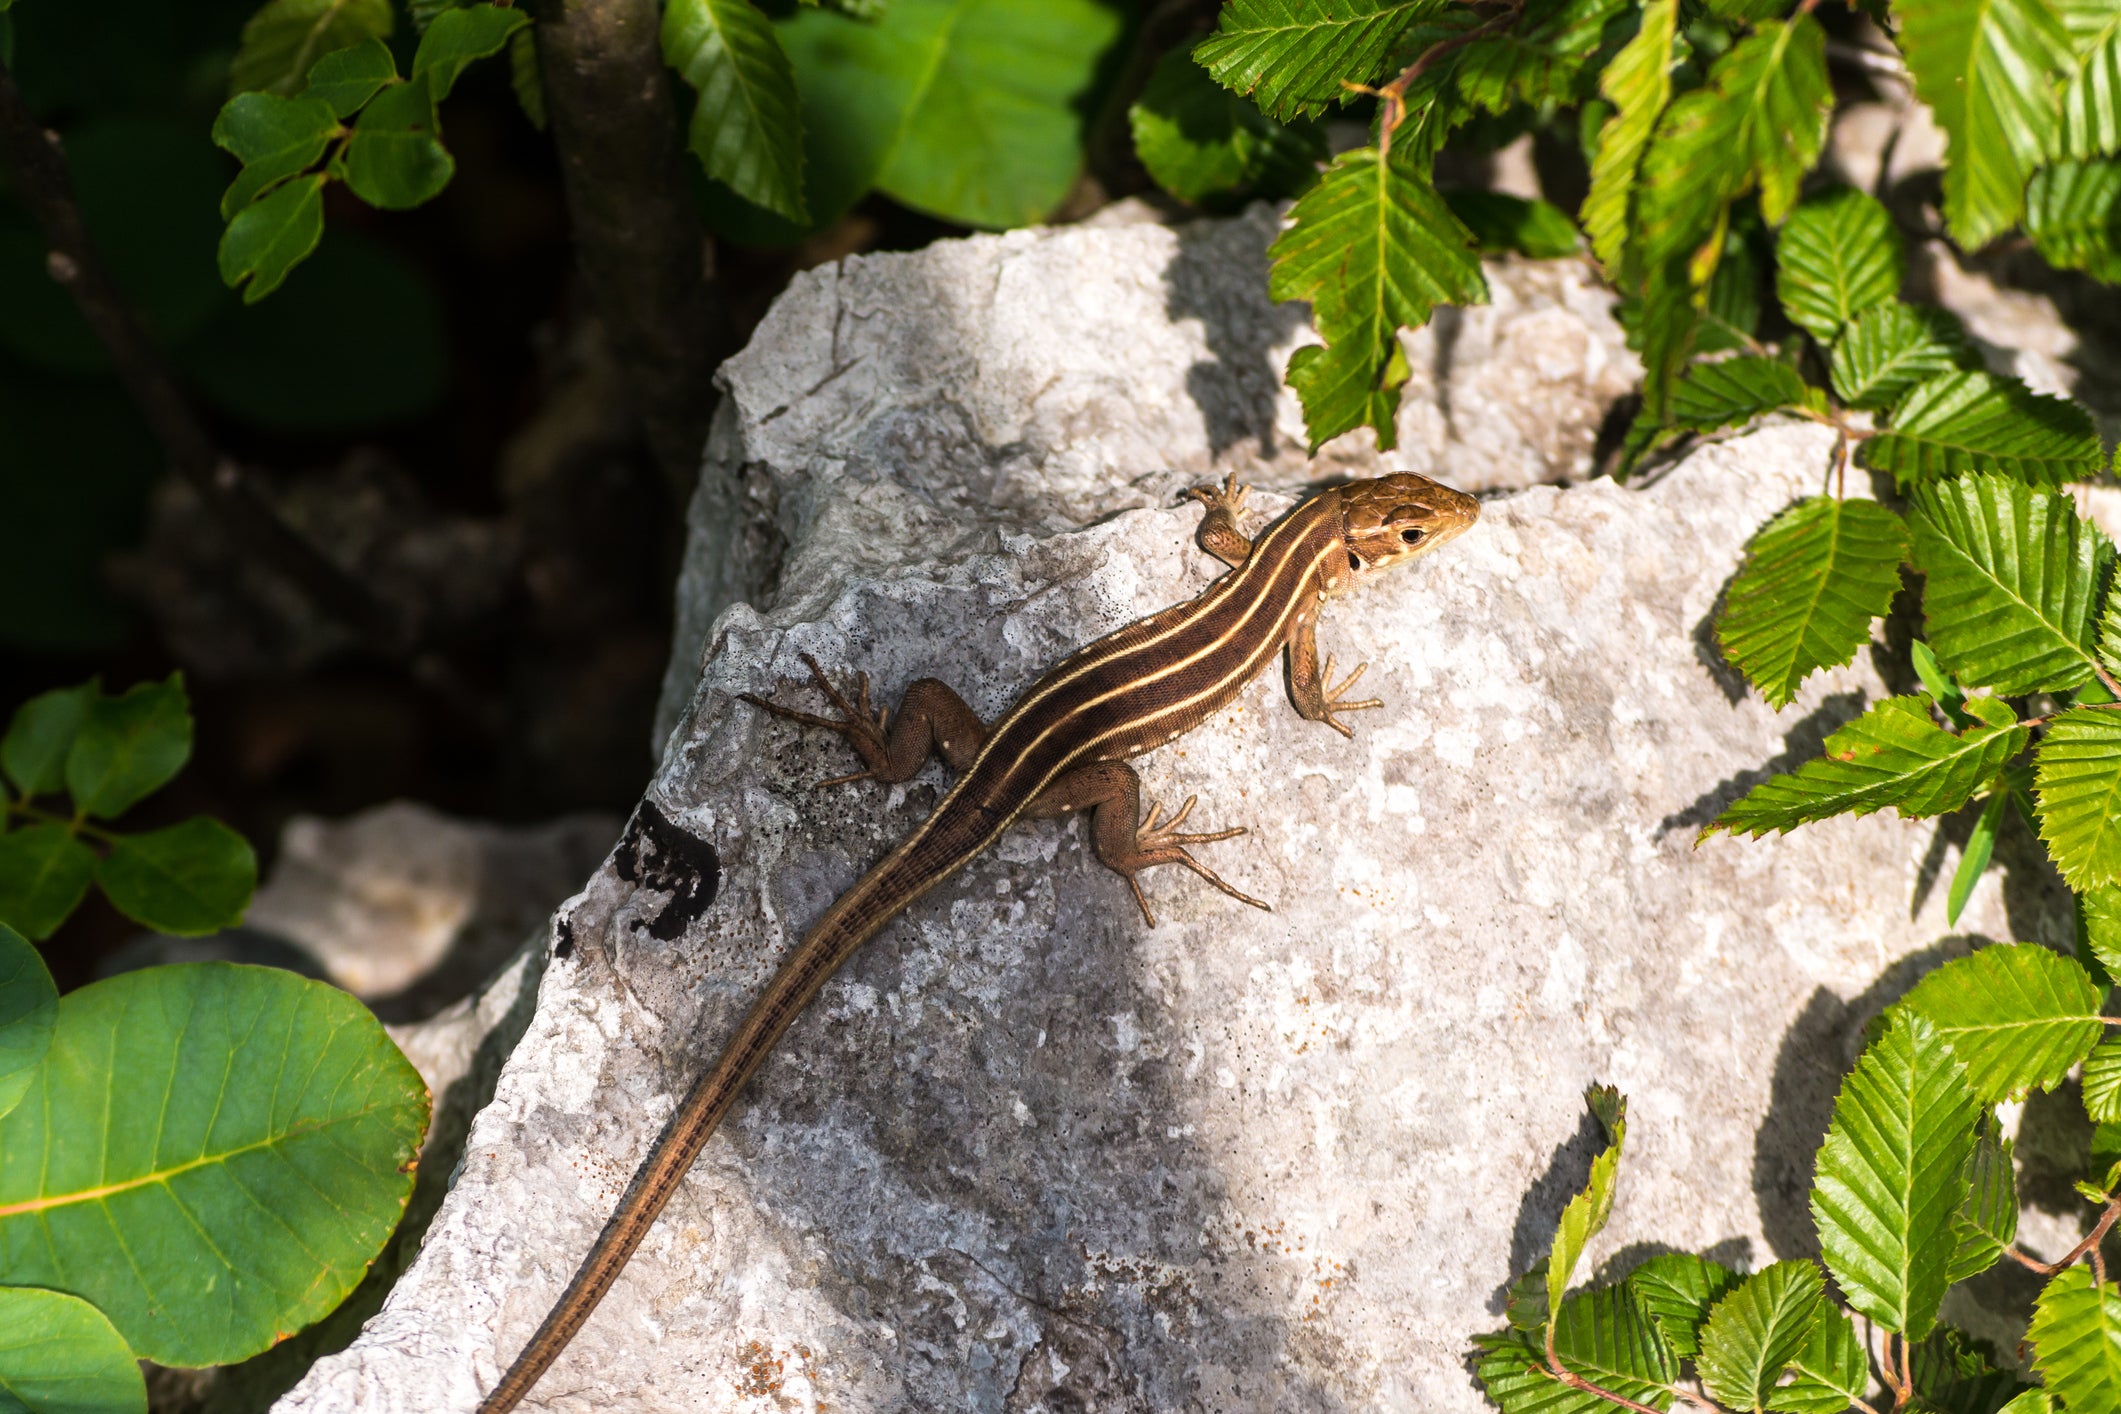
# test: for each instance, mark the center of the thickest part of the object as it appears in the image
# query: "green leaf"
(1346, 386)
(524, 78)
(33, 753)
(1984, 67)
(1895, 755)
(1374, 249)
(210, 1153)
(1603, 1336)
(28, 1005)
(1758, 1330)
(348, 78)
(1730, 307)
(1839, 256)
(2034, 1401)
(462, 35)
(1735, 391)
(59, 1355)
(129, 746)
(44, 871)
(2017, 1016)
(1832, 1373)
(2091, 97)
(2073, 214)
(1812, 581)
(1638, 83)
(271, 236)
(2076, 1340)
(1585, 1214)
(2102, 1081)
(1987, 1222)
(1534, 60)
(1973, 862)
(285, 37)
(1292, 57)
(747, 128)
(1953, 1373)
(1204, 144)
(274, 138)
(1960, 422)
(1891, 1176)
(2077, 777)
(1890, 348)
(1501, 222)
(1677, 1289)
(395, 159)
(2012, 576)
(2099, 925)
(188, 879)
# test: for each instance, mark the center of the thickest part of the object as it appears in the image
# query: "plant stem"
(1577, 1382)
(1394, 94)
(637, 237)
(37, 163)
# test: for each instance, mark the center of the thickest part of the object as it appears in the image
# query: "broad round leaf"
(1204, 144)
(272, 235)
(459, 37)
(2016, 1016)
(129, 746)
(33, 752)
(29, 1006)
(282, 40)
(44, 871)
(274, 138)
(1758, 1330)
(2076, 1340)
(1838, 256)
(188, 879)
(212, 1154)
(347, 78)
(1891, 1176)
(2077, 778)
(59, 1355)
(395, 159)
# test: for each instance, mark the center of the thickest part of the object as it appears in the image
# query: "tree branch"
(637, 235)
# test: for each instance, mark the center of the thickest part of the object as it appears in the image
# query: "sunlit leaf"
(1831, 1371)
(2017, 1016)
(1585, 1215)
(2077, 778)
(59, 1355)
(2076, 1340)
(1294, 58)
(1638, 83)
(1604, 1337)
(1838, 256)
(1966, 421)
(1888, 349)
(1812, 581)
(1758, 1330)
(1678, 1289)
(2102, 1082)
(1734, 391)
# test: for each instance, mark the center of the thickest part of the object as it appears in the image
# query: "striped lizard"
(1063, 746)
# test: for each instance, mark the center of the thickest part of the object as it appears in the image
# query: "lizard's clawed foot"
(1164, 844)
(1333, 696)
(1228, 497)
(864, 726)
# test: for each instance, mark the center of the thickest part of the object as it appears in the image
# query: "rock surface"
(1027, 1153)
(892, 407)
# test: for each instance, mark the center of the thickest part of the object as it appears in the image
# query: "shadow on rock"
(1800, 744)
(1238, 390)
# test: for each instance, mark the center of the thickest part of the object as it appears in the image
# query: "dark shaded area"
(658, 855)
(1801, 743)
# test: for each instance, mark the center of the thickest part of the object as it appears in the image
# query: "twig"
(1577, 1382)
(1394, 94)
(2091, 1240)
(38, 164)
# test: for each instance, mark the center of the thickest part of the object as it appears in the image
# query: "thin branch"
(37, 163)
(2091, 1240)
(1577, 1382)
(1394, 94)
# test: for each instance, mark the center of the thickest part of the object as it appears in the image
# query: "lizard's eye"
(1412, 535)
(1354, 561)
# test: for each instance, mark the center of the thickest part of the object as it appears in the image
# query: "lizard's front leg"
(1126, 843)
(1310, 686)
(1218, 533)
(930, 717)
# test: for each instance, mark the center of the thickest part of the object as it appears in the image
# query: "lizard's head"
(1391, 519)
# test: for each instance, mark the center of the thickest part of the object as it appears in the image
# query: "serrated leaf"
(210, 1153)
(1812, 581)
(2091, 96)
(1973, 860)
(1888, 349)
(272, 235)
(1374, 249)
(285, 37)
(60, 1355)
(189, 879)
(1730, 306)
(29, 1005)
(2076, 1340)
(1968, 421)
(747, 128)
(1953, 1373)
(1526, 1306)
(1503, 223)
(40, 734)
(2102, 1081)
(2099, 926)
(461, 36)
(2077, 778)
(1832, 1374)
(1838, 256)
(1985, 67)
(395, 159)
(1204, 144)
(1293, 57)
(274, 138)
(1677, 1289)
(2017, 1016)
(44, 871)
(1757, 1330)
(1892, 755)
(1346, 386)
(1604, 1337)
(1534, 60)
(1734, 391)
(1891, 1176)
(2073, 214)
(1583, 1216)
(129, 746)
(2033, 1401)
(1638, 83)
(347, 78)
(2012, 577)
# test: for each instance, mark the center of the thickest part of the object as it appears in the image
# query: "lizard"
(1063, 746)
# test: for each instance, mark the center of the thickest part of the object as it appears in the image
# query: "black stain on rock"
(656, 854)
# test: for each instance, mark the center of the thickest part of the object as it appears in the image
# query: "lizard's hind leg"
(1126, 843)
(893, 748)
